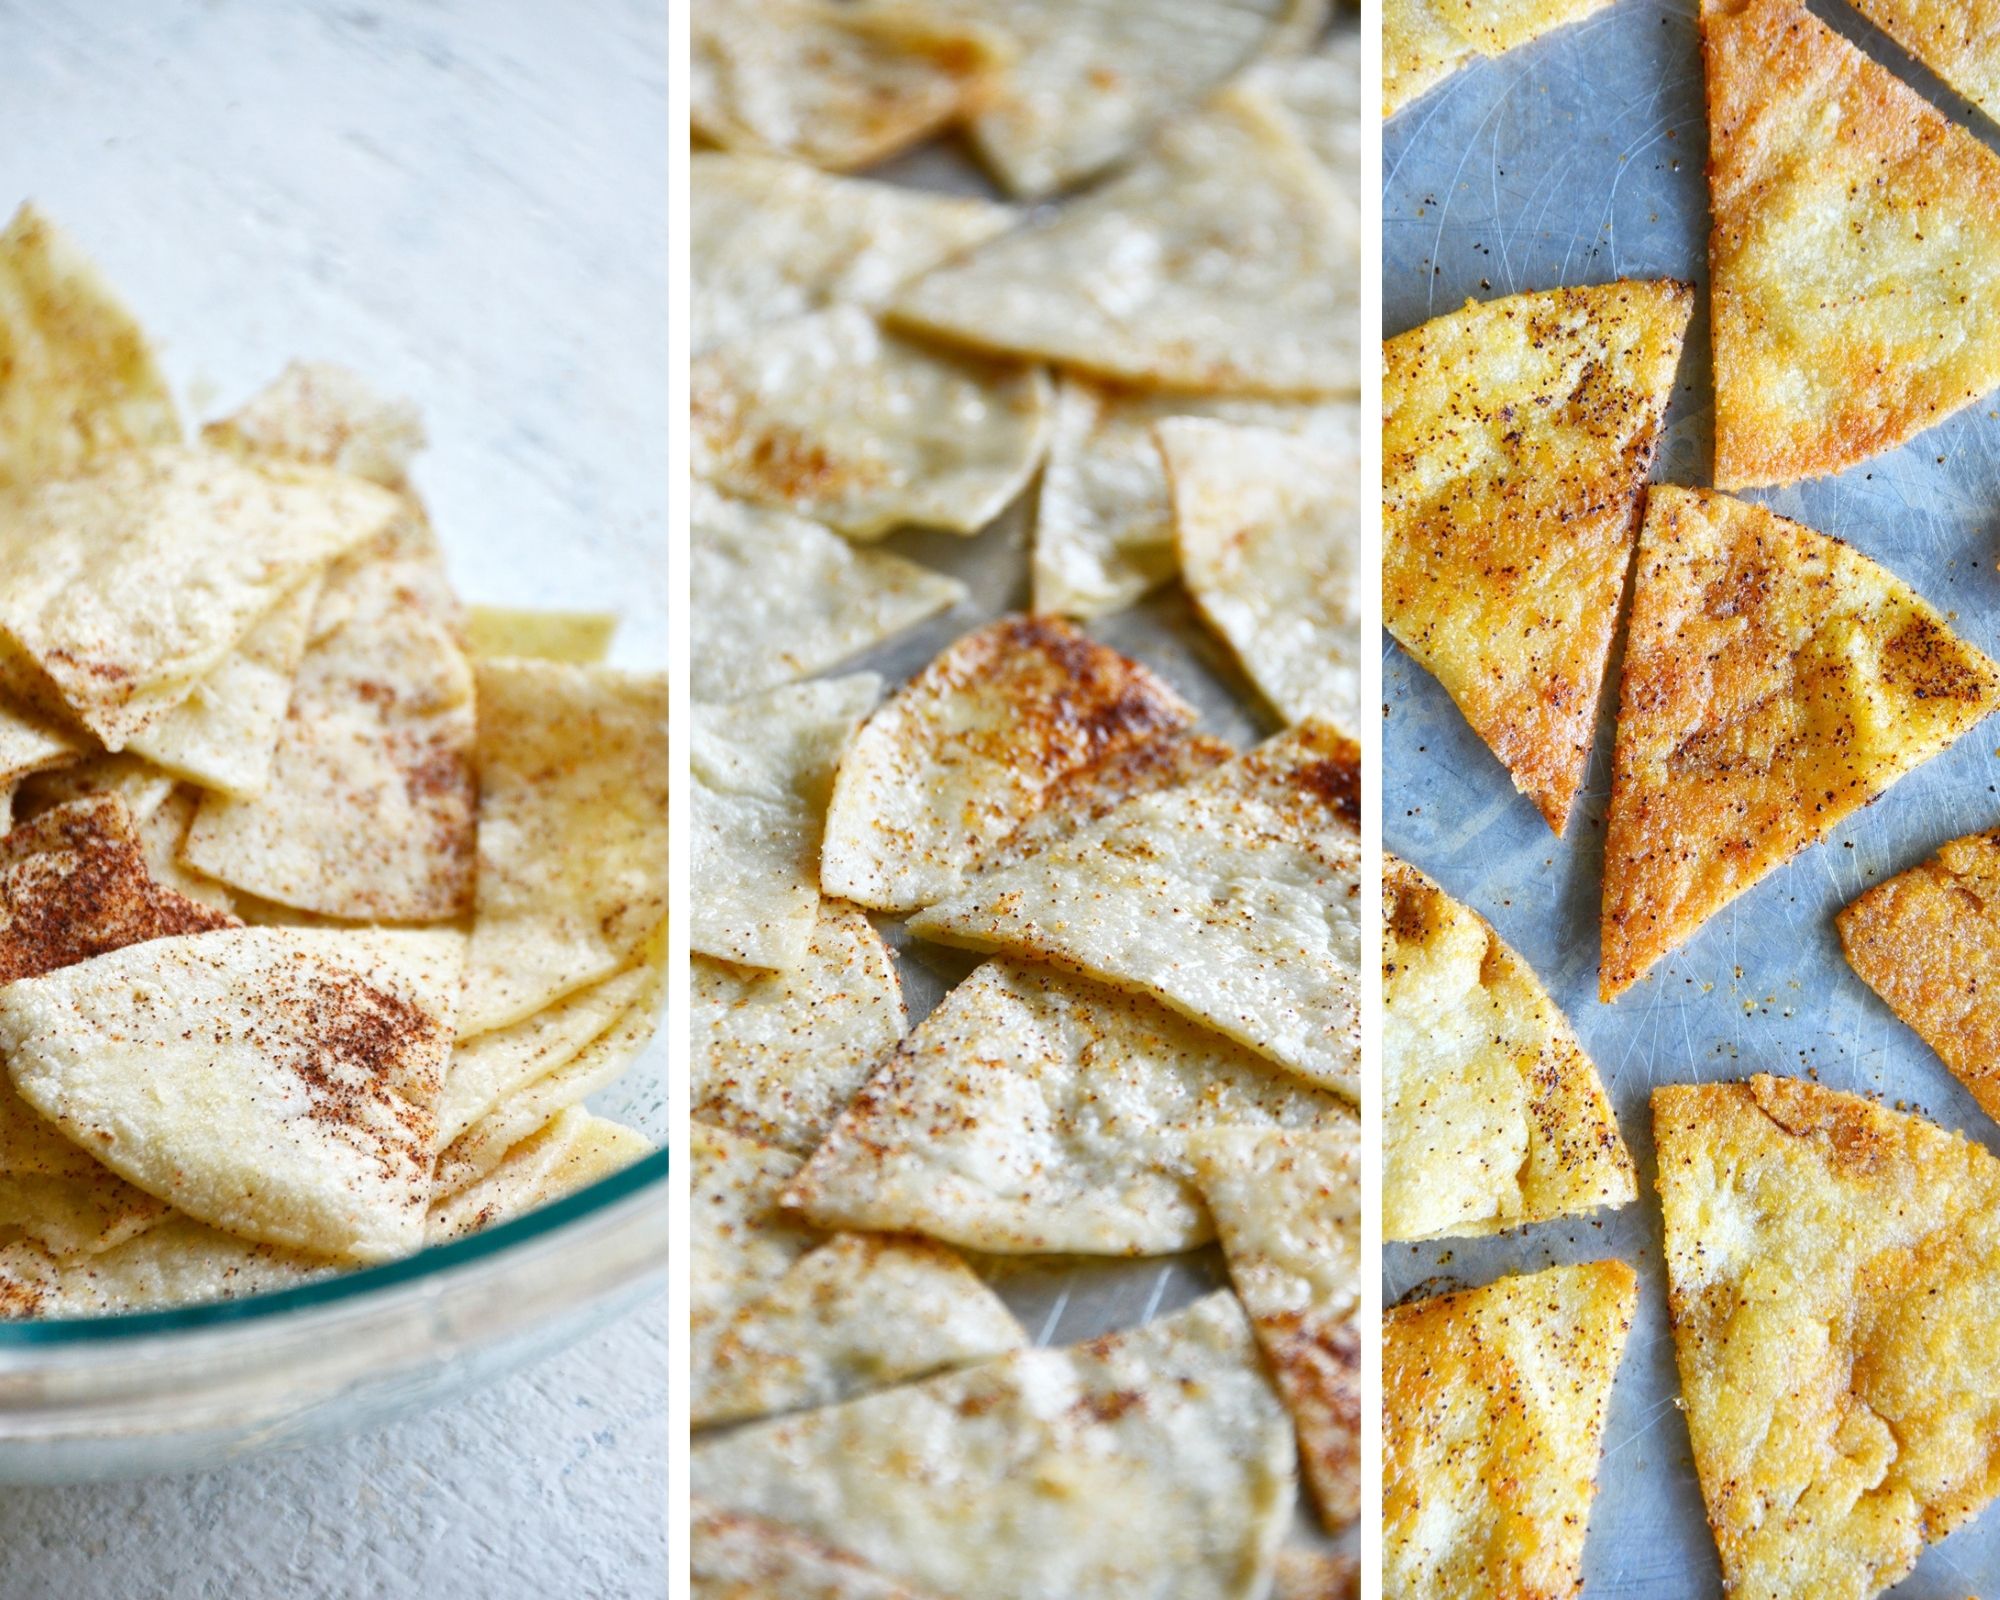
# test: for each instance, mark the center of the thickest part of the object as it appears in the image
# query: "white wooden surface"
(466, 200)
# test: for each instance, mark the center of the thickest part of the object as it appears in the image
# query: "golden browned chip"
(1775, 681)
(1493, 1407)
(1855, 253)
(1425, 41)
(1832, 1270)
(1959, 40)
(1516, 437)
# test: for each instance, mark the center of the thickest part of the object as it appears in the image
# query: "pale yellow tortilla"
(178, 1262)
(738, 1557)
(323, 414)
(572, 1152)
(581, 638)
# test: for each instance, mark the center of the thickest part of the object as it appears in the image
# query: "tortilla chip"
(738, 1557)
(777, 1055)
(180, 1262)
(998, 1480)
(773, 239)
(1233, 899)
(300, 1110)
(839, 86)
(580, 638)
(1516, 439)
(1956, 39)
(775, 597)
(832, 418)
(573, 1151)
(1085, 796)
(972, 747)
(126, 584)
(1287, 1206)
(1268, 530)
(1492, 1418)
(1775, 682)
(1226, 259)
(1321, 92)
(1426, 41)
(77, 378)
(1832, 1268)
(1035, 1113)
(1855, 253)
(1492, 1115)
(1311, 1575)
(143, 787)
(763, 772)
(324, 415)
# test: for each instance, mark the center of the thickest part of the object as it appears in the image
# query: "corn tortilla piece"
(832, 418)
(1224, 260)
(1855, 253)
(740, 1245)
(142, 786)
(775, 598)
(571, 1152)
(738, 1557)
(972, 747)
(1831, 1270)
(1775, 682)
(1516, 440)
(1959, 40)
(996, 1481)
(1320, 91)
(1315, 1575)
(325, 415)
(1037, 1113)
(32, 744)
(572, 833)
(300, 1109)
(78, 378)
(1426, 41)
(177, 1263)
(581, 638)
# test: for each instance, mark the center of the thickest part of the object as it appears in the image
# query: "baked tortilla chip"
(1832, 1269)
(1233, 898)
(1426, 41)
(180, 1262)
(1036, 1113)
(740, 1245)
(1492, 1115)
(1268, 530)
(1226, 259)
(774, 597)
(763, 771)
(572, 1152)
(1087, 795)
(1287, 1206)
(581, 638)
(1493, 1412)
(1855, 253)
(1312, 1575)
(1959, 40)
(77, 377)
(1516, 439)
(1321, 93)
(300, 1109)
(324, 415)
(1775, 682)
(739, 1557)
(972, 747)
(832, 418)
(998, 1481)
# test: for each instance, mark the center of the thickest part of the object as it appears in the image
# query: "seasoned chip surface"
(1425, 41)
(739, 1557)
(1959, 40)
(322, 414)
(179, 1262)
(574, 1150)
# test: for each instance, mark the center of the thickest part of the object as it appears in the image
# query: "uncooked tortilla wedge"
(1287, 1207)
(775, 597)
(1775, 682)
(324, 415)
(832, 418)
(581, 638)
(1959, 40)
(1233, 898)
(1832, 1269)
(1037, 1113)
(1492, 1115)
(1155, 1462)
(1426, 41)
(1516, 441)
(572, 1152)
(1268, 530)
(77, 377)
(1226, 259)
(180, 1262)
(973, 747)
(127, 583)
(276, 1083)
(1494, 1402)
(763, 771)
(1855, 253)
(739, 1557)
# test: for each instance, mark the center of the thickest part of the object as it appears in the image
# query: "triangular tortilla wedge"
(298, 1112)
(1832, 1268)
(1225, 259)
(77, 377)
(763, 771)
(1287, 1207)
(1516, 440)
(832, 418)
(1426, 41)
(573, 1151)
(1924, 941)
(972, 747)
(1492, 1115)
(1775, 682)
(734, 1556)
(180, 1262)
(774, 597)
(1855, 253)
(1493, 1410)
(323, 415)
(1231, 898)
(581, 638)
(998, 1481)
(1036, 1113)
(1956, 39)
(1314, 1575)
(777, 1055)
(1322, 93)
(740, 1245)
(1268, 529)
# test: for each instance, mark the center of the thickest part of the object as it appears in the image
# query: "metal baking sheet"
(1577, 160)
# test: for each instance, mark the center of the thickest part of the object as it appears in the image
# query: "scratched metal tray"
(1577, 160)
